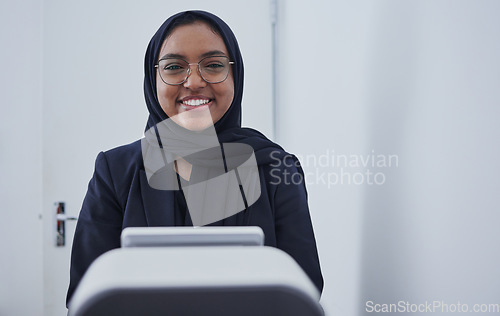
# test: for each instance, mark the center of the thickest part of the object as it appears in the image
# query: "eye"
(172, 67)
(214, 65)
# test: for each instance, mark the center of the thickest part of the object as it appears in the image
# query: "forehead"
(193, 40)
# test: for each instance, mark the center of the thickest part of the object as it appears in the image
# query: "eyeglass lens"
(213, 69)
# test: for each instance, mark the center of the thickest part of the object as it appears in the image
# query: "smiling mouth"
(195, 102)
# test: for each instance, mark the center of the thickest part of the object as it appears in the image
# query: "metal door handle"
(60, 219)
(64, 217)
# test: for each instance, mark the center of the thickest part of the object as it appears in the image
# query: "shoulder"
(283, 168)
(115, 171)
(125, 154)
(121, 162)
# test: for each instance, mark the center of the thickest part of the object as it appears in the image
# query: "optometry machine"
(188, 271)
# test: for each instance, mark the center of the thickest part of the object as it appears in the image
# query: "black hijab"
(228, 128)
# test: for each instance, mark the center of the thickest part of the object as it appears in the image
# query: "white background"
(416, 79)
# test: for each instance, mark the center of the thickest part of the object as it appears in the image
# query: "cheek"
(167, 97)
(161, 89)
(227, 92)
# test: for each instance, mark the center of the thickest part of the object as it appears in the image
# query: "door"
(93, 100)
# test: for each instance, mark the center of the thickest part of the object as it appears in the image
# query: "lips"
(195, 102)
(192, 102)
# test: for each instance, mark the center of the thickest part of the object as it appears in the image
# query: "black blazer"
(119, 196)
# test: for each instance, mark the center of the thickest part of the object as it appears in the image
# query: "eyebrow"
(207, 54)
(212, 53)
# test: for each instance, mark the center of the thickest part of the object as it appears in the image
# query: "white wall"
(20, 157)
(433, 232)
(416, 79)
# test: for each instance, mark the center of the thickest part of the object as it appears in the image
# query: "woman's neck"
(183, 168)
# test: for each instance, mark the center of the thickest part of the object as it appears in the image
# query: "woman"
(193, 88)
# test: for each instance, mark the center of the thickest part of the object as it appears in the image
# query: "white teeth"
(195, 102)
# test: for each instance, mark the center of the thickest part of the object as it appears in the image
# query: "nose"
(194, 80)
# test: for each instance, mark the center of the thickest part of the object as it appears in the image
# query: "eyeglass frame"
(189, 70)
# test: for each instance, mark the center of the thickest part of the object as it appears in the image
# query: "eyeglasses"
(175, 71)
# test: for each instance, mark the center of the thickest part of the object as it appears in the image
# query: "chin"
(195, 124)
(194, 120)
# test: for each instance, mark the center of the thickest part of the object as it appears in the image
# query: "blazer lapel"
(158, 204)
